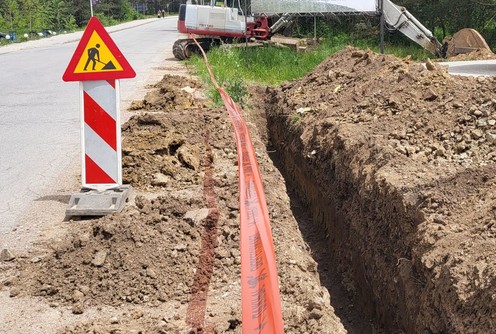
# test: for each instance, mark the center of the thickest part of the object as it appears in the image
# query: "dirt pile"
(170, 94)
(397, 161)
(480, 54)
(170, 262)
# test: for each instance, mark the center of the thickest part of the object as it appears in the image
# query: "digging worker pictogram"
(94, 56)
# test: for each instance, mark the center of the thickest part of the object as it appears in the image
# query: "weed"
(272, 65)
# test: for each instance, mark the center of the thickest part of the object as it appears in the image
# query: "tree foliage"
(24, 16)
(445, 17)
(453, 15)
(442, 17)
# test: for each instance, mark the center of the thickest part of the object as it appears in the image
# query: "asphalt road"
(472, 68)
(40, 114)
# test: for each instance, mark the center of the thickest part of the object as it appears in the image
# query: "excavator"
(223, 22)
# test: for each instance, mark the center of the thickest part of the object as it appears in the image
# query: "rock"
(461, 147)
(162, 297)
(77, 296)
(316, 303)
(477, 113)
(477, 134)
(440, 152)
(188, 90)
(137, 104)
(99, 258)
(14, 292)
(194, 217)
(315, 314)
(189, 156)
(491, 137)
(331, 75)
(481, 123)
(235, 252)
(302, 111)
(6, 255)
(150, 273)
(430, 95)
(35, 259)
(84, 239)
(401, 149)
(84, 289)
(160, 180)
(430, 65)
(77, 309)
(181, 247)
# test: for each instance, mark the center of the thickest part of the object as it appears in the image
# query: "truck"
(224, 22)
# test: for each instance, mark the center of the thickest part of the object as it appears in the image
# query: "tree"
(13, 13)
(31, 9)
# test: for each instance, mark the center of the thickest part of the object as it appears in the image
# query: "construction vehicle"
(217, 24)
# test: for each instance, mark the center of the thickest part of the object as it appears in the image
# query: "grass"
(270, 65)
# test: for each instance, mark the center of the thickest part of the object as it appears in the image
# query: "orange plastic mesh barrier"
(260, 300)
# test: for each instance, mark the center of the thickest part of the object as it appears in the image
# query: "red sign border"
(95, 25)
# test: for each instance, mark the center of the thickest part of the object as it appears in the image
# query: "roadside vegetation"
(31, 19)
(235, 67)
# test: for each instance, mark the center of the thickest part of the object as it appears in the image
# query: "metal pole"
(246, 24)
(315, 28)
(91, 7)
(382, 25)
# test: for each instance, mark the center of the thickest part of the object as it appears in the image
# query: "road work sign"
(97, 57)
(98, 64)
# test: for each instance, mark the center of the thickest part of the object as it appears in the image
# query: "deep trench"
(353, 318)
(325, 227)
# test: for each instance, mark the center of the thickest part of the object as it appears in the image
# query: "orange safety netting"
(260, 300)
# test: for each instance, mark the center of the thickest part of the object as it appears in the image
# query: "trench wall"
(371, 226)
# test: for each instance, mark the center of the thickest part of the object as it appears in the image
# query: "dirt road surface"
(379, 175)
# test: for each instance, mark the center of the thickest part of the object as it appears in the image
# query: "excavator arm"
(398, 18)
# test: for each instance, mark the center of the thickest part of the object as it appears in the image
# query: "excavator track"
(185, 48)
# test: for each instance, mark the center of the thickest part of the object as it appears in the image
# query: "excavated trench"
(359, 242)
(391, 168)
(408, 211)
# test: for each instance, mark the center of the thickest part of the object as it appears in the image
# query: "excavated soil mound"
(170, 262)
(480, 54)
(172, 93)
(397, 162)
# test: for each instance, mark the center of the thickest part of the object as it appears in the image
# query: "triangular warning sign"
(97, 57)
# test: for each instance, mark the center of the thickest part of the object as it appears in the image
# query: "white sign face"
(271, 7)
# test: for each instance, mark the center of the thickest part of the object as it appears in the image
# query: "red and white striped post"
(103, 191)
(101, 135)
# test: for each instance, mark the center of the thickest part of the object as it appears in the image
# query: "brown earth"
(393, 163)
(170, 262)
(398, 163)
(481, 54)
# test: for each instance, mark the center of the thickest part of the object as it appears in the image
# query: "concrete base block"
(91, 202)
